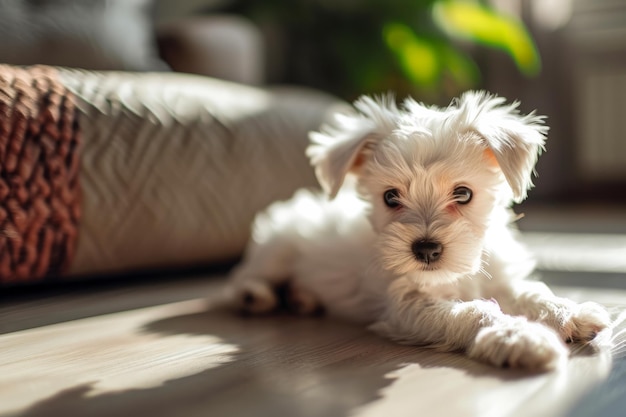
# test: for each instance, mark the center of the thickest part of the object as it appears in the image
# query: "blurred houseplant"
(417, 47)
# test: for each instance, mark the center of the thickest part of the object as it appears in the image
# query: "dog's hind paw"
(254, 297)
(519, 344)
(302, 302)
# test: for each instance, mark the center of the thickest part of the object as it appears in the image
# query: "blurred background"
(565, 58)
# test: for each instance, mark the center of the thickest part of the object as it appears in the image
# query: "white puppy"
(415, 238)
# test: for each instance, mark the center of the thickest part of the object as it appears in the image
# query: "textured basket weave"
(39, 161)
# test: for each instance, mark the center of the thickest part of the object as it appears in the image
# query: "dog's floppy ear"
(515, 140)
(343, 145)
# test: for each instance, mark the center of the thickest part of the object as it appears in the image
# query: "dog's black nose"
(426, 251)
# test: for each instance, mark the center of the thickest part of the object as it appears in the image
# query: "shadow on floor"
(284, 366)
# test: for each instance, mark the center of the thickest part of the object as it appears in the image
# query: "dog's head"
(433, 176)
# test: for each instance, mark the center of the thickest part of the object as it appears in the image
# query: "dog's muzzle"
(427, 251)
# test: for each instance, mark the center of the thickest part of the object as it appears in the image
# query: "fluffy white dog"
(416, 237)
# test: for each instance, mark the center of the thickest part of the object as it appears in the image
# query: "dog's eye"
(391, 198)
(462, 195)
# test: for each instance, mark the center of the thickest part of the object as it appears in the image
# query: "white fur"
(352, 254)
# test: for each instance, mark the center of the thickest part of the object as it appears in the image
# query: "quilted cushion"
(174, 166)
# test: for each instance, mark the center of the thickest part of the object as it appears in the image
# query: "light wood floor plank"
(161, 350)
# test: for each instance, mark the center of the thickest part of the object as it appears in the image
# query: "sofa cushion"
(92, 34)
(174, 166)
(116, 172)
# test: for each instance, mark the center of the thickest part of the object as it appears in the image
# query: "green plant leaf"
(461, 67)
(417, 57)
(485, 26)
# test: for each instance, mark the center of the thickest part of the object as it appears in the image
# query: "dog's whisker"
(618, 350)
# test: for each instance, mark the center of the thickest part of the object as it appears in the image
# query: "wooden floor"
(161, 349)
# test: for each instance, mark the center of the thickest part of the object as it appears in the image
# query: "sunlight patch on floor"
(425, 390)
(108, 353)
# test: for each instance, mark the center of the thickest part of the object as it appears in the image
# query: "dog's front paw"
(518, 343)
(584, 322)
